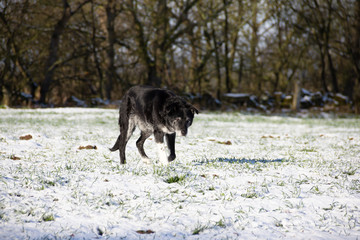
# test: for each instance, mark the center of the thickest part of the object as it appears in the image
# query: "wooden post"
(295, 106)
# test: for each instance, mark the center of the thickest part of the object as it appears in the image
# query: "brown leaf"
(270, 136)
(87, 147)
(145, 231)
(225, 143)
(26, 137)
(13, 157)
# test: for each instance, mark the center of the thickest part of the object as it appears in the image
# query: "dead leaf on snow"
(15, 158)
(270, 136)
(145, 231)
(225, 143)
(26, 137)
(87, 147)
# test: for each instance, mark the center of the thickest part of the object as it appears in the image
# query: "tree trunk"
(110, 52)
(356, 47)
(217, 62)
(159, 46)
(143, 48)
(327, 50)
(194, 63)
(253, 45)
(333, 73)
(277, 80)
(95, 53)
(226, 55)
(322, 75)
(240, 72)
(295, 106)
(356, 59)
(153, 79)
(50, 64)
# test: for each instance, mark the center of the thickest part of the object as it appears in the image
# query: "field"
(236, 176)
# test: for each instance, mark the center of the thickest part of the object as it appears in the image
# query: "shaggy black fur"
(154, 111)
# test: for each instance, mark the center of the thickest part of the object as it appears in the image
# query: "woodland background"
(52, 50)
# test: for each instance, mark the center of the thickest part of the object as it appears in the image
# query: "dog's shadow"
(241, 161)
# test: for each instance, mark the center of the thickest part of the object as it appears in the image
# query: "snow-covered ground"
(235, 177)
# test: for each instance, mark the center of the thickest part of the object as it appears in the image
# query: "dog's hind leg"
(125, 134)
(140, 145)
(127, 127)
(170, 140)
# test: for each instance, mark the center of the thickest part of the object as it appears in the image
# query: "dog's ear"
(193, 109)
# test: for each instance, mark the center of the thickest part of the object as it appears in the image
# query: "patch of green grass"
(220, 223)
(175, 179)
(250, 195)
(199, 228)
(100, 231)
(278, 223)
(281, 183)
(351, 171)
(2, 216)
(48, 217)
(48, 183)
(308, 150)
(316, 190)
(355, 185)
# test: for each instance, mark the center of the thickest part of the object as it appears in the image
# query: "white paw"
(146, 160)
(162, 154)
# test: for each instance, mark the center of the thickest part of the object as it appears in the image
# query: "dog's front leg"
(170, 140)
(140, 145)
(159, 139)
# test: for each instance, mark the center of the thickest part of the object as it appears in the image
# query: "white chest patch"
(165, 129)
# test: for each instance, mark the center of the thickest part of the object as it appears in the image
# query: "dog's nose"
(183, 132)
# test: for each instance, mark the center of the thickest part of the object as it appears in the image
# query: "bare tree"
(111, 38)
(168, 27)
(98, 48)
(318, 17)
(51, 62)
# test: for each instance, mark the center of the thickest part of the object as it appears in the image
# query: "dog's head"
(178, 115)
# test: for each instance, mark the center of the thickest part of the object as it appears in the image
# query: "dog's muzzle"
(181, 133)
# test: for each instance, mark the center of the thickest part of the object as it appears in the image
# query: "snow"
(236, 176)
(236, 95)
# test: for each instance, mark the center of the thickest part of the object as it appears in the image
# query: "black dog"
(154, 111)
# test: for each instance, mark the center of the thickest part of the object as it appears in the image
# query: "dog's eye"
(188, 123)
(176, 120)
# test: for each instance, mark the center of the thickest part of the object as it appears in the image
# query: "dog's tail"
(116, 145)
(123, 119)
